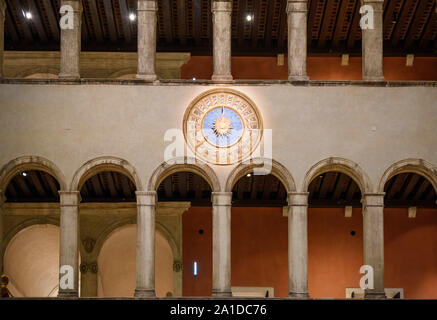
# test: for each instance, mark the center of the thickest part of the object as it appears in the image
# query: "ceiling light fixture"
(249, 17)
(132, 17)
(24, 174)
(28, 15)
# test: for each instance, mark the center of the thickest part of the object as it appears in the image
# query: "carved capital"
(88, 267)
(177, 266)
(88, 244)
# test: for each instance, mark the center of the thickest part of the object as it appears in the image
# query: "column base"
(298, 78)
(147, 77)
(221, 294)
(298, 295)
(68, 294)
(223, 78)
(374, 295)
(374, 79)
(144, 293)
(69, 76)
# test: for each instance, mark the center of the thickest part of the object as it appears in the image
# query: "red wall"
(259, 251)
(319, 68)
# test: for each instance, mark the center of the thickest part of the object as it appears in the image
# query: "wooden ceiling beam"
(241, 22)
(256, 22)
(36, 20)
(52, 19)
(344, 22)
(329, 21)
(355, 27)
(167, 21)
(97, 27)
(430, 29)
(182, 21)
(397, 185)
(10, 27)
(197, 20)
(17, 14)
(125, 21)
(283, 27)
(269, 24)
(107, 4)
(402, 26)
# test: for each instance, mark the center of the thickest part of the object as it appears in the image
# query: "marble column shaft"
(373, 237)
(221, 235)
(71, 43)
(147, 22)
(145, 258)
(222, 27)
(69, 238)
(297, 13)
(298, 245)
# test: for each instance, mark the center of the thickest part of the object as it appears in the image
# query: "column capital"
(373, 199)
(75, 4)
(147, 5)
(364, 2)
(69, 198)
(297, 6)
(298, 199)
(221, 6)
(146, 198)
(221, 198)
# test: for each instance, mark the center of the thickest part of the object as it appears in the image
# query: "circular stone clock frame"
(233, 103)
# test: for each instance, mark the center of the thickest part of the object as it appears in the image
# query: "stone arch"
(262, 165)
(184, 164)
(419, 166)
(342, 165)
(17, 165)
(100, 164)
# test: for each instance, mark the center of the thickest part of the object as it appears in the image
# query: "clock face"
(222, 126)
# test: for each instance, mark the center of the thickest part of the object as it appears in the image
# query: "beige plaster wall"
(71, 124)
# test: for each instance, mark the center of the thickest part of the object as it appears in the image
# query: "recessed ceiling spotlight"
(249, 17)
(249, 175)
(28, 15)
(24, 174)
(132, 17)
(194, 79)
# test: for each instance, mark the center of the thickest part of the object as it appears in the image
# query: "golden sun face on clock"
(222, 126)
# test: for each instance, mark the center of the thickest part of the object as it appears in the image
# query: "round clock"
(222, 126)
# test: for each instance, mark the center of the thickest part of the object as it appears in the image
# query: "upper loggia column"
(222, 25)
(69, 244)
(221, 244)
(297, 12)
(373, 237)
(71, 39)
(372, 43)
(146, 203)
(2, 34)
(298, 245)
(147, 21)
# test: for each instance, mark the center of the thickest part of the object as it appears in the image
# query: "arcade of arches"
(184, 233)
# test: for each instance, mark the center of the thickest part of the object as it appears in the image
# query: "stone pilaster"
(221, 244)
(2, 34)
(222, 24)
(297, 11)
(298, 245)
(372, 43)
(373, 237)
(71, 43)
(146, 203)
(69, 237)
(147, 22)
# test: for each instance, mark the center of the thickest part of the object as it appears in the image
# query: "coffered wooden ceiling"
(410, 26)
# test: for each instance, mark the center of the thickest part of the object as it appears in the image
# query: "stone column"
(297, 12)
(71, 43)
(373, 236)
(69, 245)
(2, 34)
(2, 201)
(222, 25)
(221, 244)
(146, 202)
(372, 43)
(147, 21)
(298, 245)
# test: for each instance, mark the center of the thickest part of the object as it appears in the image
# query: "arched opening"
(335, 234)
(410, 235)
(31, 258)
(196, 229)
(117, 264)
(259, 234)
(107, 197)
(31, 262)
